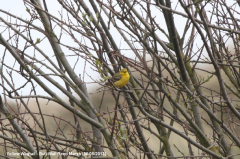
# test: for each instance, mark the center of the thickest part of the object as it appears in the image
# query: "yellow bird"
(120, 79)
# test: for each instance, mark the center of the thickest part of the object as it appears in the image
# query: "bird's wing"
(116, 77)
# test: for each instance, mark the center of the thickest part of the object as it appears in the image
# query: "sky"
(17, 7)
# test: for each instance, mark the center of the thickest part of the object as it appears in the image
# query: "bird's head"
(123, 71)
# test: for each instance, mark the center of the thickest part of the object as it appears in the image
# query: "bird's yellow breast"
(123, 81)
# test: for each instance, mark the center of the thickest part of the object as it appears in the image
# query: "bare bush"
(181, 100)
